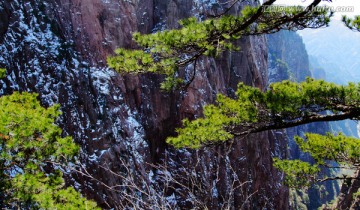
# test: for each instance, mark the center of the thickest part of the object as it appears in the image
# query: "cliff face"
(58, 48)
(288, 58)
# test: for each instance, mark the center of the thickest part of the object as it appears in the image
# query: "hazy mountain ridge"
(335, 45)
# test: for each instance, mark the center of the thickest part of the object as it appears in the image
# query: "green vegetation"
(353, 24)
(30, 143)
(2, 73)
(284, 105)
(324, 149)
(168, 52)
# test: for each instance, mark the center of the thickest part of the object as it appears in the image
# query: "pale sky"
(334, 3)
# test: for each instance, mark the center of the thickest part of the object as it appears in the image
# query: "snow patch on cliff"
(204, 5)
(101, 79)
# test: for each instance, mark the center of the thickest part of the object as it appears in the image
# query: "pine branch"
(258, 127)
(167, 52)
(344, 177)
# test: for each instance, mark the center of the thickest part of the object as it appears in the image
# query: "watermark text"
(285, 8)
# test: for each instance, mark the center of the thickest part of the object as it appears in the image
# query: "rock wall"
(288, 58)
(58, 48)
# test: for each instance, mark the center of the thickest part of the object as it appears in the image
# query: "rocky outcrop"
(58, 48)
(288, 58)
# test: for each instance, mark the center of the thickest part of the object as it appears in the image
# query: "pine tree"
(285, 104)
(168, 52)
(30, 143)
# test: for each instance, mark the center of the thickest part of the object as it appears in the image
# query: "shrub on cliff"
(30, 144)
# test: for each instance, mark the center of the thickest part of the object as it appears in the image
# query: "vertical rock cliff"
(58, 48)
